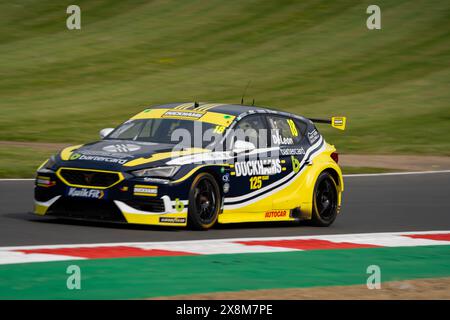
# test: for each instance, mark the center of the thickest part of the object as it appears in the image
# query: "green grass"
(315, 58)
(21, 162)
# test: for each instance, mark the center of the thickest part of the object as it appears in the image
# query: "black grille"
(89, 178)
(153, 205)
(86, 209)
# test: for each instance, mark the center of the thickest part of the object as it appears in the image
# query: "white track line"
(394, 173)
(118, 244)
(16, 255)
(345, 175)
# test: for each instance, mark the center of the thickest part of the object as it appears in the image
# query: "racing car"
(195, 165)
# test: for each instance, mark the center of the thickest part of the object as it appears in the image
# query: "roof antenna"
(245, 91)
(253, 103)
(196, 104)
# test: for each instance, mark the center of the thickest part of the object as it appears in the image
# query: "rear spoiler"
(336, 122)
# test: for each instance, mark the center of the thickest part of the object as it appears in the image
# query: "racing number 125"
(255, 183)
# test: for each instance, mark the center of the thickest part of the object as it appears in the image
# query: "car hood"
(120, 154)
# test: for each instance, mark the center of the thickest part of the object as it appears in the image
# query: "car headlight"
(161, 172)
(48, 165)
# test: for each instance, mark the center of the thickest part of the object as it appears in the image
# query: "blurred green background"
(315, 58)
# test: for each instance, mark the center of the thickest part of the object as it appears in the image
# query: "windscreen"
(168, 131)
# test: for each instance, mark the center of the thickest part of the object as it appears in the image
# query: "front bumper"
(132, 200)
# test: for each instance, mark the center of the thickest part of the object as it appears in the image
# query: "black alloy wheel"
(204, 202)
(325, 200)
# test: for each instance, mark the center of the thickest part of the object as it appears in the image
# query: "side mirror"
(243, 146)
(105, 132)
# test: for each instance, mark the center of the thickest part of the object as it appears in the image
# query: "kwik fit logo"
(86, 193)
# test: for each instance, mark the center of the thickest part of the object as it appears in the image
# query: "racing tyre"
(204, 202)
(325, 200)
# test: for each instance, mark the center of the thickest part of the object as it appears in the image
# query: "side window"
(284, 131)
(301, 127)
(252, 129)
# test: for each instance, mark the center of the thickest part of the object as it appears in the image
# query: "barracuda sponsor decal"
(183, 114)
(258, 167)
(276, 214)
(172, 220)
(78, 156)
(122, 148)
(313, 136)
(86, 193)
(280, 140)
(292, 151)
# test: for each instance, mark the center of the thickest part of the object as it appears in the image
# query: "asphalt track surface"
(376, 203)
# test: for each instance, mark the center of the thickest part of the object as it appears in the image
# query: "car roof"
(231, 109)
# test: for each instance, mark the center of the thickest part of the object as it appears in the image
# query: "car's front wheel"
(325, 200)
(204, 202)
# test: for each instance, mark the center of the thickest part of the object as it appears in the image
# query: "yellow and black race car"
(196, 164)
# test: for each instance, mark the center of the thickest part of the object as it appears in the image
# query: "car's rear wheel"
(204, 202)
(325, 200)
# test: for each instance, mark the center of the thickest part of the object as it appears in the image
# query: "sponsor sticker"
(292, 151)
(338, 122)
(144, 190)
(226, 177)
(226, 187)
(295, 164)
(257, 167)
(172, 220)
(179, 206)
(122, 148)
(276, 214)
(78, 156)
(313, 136)
(100, 154)
(86, 193)
(183, 114)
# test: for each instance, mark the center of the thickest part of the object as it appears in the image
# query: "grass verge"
(315, 58)
(129, 278)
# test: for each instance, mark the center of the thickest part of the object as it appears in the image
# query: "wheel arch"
(310, 181)
(215, 172)
(337, 176)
